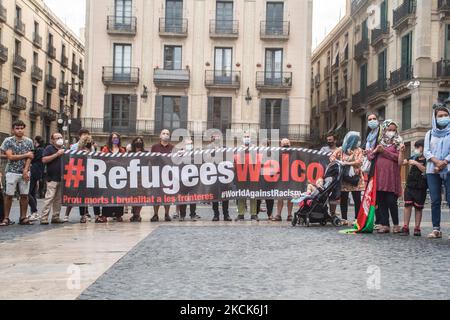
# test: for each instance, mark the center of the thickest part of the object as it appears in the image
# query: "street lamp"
(65, 117)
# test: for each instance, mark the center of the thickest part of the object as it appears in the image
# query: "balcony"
(324, 107)
(19, 64)
(404, 15)
(51, 51)
(36, 73)
(19, 27)
(64, 61)
(357, 5)
(380, 36)
(377, 92)
(122, 25)
(36, 109)
(74, 68)
(18, 103)
(124, 76)
(173, 27)
(74, 94)
(342, 97)
(362, 50)
(63, 89)
(274, 81)
(3, 54)
(359, 102)
(4, 96)
(443, 72)
(224, 29)
(400, 78)
(171, 78)
(50, 82)
(333, 101)
(49, 115)
(222, 79)
(335, 67)
(275, 30)
(444, 8)
(3, 13)
(37, 40)
(344, 58)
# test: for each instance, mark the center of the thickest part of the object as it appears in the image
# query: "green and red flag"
(366, 217)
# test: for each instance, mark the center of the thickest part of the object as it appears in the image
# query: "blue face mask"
(443, 122)
(373, 124)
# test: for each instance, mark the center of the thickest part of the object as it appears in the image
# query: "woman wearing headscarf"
(390, 155)
(437, 153)
(351, 155)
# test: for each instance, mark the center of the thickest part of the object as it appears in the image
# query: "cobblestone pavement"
(205, 260)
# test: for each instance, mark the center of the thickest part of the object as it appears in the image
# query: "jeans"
(435, 183)
(387, 202)
(215, 207)
(32, 201)
(344, 203)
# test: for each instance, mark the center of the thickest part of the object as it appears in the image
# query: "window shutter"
(262, 114)
(133, 114)
(158, 114)
(107, 113)
(184, 111)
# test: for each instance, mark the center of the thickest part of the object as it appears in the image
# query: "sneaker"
(175, 216)
(34, 217)
(195, 217)
(436, 234)
(240, 218)
(167, 218)
(181, 219)
(154, 219)
(66, 219)
(101, 219)
(215, 219)
(44, 222)
(417, 232)
(227, 219)
(57, 220)
(255, 218)
(405, 231)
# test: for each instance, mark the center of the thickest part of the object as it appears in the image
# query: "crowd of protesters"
(382, 152)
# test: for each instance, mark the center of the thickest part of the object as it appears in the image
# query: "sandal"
(136, 219)
(436, 234)
(155, 218)
(277, 219)
(101, 219)
(384, 230)
(289, 218)
(6, 223)
(25, 222)
(83, 219)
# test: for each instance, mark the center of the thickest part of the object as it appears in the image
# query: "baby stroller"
(314, 207)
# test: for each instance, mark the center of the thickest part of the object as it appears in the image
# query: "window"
(33, 96)
(122, 61)
(36, 28)
(364, 30)
(173, 58)
(18, 47)
(223, 62)
(16, 88)
(123, 12)
(35, 59)
(63, 51)
(50, 40)
(382, 114)
(74, 58)
(172, 112)
(63, 76)
(174, 16)
(49, 68)
(274, 66)
(406, 114)
(32, 128)
(18, 13)
(447, 42)
(384, 15)
(224, 17)
(273, 113)
(48, 100)
(120, 112)
(219, 116)
(363, 80)
(407, 50)
(382, 65)
(274, 18)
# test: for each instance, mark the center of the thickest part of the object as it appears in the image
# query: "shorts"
(12, 181)
(415, 198)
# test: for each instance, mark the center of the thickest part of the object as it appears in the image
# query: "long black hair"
(133, 144)
(110, 144)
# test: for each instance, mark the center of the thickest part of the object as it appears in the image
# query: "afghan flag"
(366, 216)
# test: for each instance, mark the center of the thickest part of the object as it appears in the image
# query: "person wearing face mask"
(285, 144)
(163, 146)
(390, 156)
(416, 188)
(242, 203)
(114, 146)
(52, 159)
(437, 153)
(331, 144)
(188, 147)
(137, 145)
(37, 173)
(351, 155)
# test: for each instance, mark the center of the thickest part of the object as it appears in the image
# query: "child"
(313, 188)
(416, 189)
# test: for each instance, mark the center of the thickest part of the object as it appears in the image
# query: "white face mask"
(165, 137)
(60, 142)
(189, 147)
(390, 134)
(246, 141)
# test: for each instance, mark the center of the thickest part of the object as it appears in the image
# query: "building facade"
(194, 64)
(41, 70)
(398, 65)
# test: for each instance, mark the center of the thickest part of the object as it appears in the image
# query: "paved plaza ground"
(206, 260)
